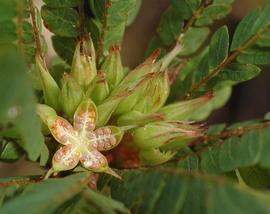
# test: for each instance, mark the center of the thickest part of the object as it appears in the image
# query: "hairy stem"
(220, 67)
(178, 47)
(35, 28)
(20, 6)
(219, 138)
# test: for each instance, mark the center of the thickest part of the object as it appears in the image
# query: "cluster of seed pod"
(137, 100)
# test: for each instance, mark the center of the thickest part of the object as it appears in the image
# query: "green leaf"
(177, 191)
(46, 196)
(61, 3)
(212, 13)
(219, 47)
(18, 105)
(186, 8)
(255, 55)
(234, 73)
(221, 96)
(112, 16)
(243, 31)
(9, 151)
(103, 203)
(17, 31)
(247, 150)
(264, 40)
(256, 21)
(255, 177)
(193, 39)
(64, 47)
(134, 12)
(62, 22)
(171, 25)
(263, 19)
(194, 13)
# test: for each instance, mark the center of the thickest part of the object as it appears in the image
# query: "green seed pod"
(113, 68)
(155, 156)
(70, 96)
(138, 118)
(145, 68)
(44, 112)
(155, 94)
(181, 110)
(49, 86)
(155, 135)
(106, 109)
(136, 89)
(83, 68)
(100, 89)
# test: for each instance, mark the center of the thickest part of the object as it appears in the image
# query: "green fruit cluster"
(134, 102)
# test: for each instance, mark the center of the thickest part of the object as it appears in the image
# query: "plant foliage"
(224, 170)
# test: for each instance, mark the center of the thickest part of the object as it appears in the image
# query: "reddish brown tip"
(115, 48)
(209, 95)
(101, 76)
(155, 55)
(66, 75)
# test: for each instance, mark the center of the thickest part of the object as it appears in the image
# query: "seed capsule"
(136, 90)
(107, 108)
(143, 69)
(85, 116)
(70, 96)
(138, 118)
(181, 110)
(44, 112)
(113, 68)
(83, 68)
(100, 90)
(107, 138)
(65, 158)
(155, 156)
(155, 94)
(49, 86)
(155, 135)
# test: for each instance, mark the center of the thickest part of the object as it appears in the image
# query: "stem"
(108, 4)
(179, 42)
(48, 174)
(81, 19)
(239, 178)
(35, 28)
(20, 6)
(221, 137)
(220, 67)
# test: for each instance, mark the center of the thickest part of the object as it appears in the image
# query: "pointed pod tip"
(155, 55)
(115, 48)
(113, 173)
(209, 95)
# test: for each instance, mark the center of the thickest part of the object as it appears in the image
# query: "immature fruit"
(83, 68)
(107, 108)
(155, 135)
(138, 118)
(49, 86)
(155, 156)
(181, 110)
(146, 67)
(155, 93)
(70, 96)
(136, 89)
(100, 90)
(113, 68)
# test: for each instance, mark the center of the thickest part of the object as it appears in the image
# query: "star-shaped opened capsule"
(81, 142)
